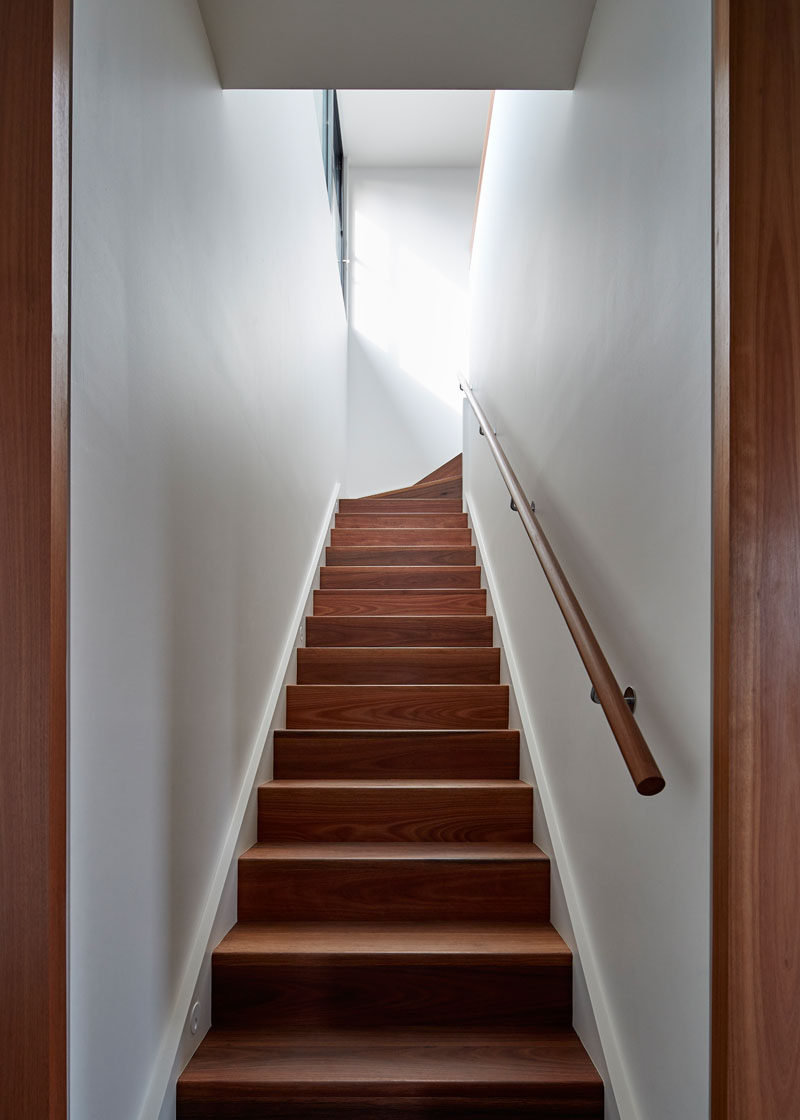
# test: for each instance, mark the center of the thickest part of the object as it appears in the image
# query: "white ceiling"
(413, 128)
(397, 44)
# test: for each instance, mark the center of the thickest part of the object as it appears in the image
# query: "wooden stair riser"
(396, 505)
(388, 576)
(397, 538)
(442, 813)
(405, 707)
(393, 889)
(398, 665)
(396, 754)
(399, 630)
(392, 990)
(398, 601)
(401, 521)
(403, 555)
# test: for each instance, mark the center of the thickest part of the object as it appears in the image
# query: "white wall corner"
(567, 914)
(219, 911)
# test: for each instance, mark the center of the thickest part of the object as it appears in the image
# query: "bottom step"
(355, 1075)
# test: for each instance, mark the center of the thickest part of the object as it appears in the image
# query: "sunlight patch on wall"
(405, 304)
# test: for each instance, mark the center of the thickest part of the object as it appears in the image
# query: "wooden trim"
(35, 67)
(641, 765)
(756, 826)
(483, 164)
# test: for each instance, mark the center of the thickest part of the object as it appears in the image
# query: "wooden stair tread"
(399, 601)
(374, 1063)
(533, 942)
(417, 576)
(364, 852)
(362, 784)
(399, 536)
(400, 505)
(401, 521)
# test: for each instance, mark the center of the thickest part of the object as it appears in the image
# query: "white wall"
(409, 251)
(208, 418)
(591, 298)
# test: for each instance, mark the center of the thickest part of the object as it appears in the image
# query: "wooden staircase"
(393, 956)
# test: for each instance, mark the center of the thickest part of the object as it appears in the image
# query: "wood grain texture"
(377, 555)
(401, 521)
(399, 601)
(400, 505)
(399, 630)
(438, 488)
(756, 971)
(380, 987)
(392, 810)
(391, 538)
(402, 706)
(334, 974)
(394, 882)
(34, 426)
(450, 469)
(391, 1074)
(400, 665)
(396, 754)
(417, 576)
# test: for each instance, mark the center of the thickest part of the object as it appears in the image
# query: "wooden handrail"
(640, 762)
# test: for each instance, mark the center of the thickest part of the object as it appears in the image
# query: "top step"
(436, 488)
(448, 470)
(399, 505)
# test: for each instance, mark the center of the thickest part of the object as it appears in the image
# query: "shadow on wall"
(409, 296)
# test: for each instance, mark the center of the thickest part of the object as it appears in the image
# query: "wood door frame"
(756, 72)
(35, 103)
(755, 1033)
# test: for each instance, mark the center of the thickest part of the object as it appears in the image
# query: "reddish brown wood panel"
(397, 576)
(317, 975)
(398, 666)
(391, 538)
(756, 911)
(394, 882)
(439, 488)
(392, 810)
(397, 630)
(399, 601)
(450, 469)
(396, 754)
(370, 556)
(398, 1074)
(400, 505)
(396, 705)
(34, 360)
(401, 521)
